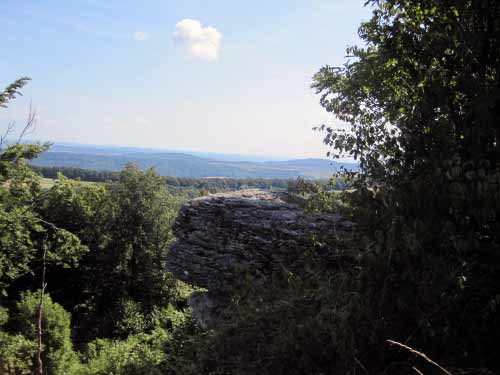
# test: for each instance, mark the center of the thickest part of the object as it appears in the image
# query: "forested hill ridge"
(183, 164)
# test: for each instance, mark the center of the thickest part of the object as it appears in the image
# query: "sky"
(227, 76)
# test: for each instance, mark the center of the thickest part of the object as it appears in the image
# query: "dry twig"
(419, 354)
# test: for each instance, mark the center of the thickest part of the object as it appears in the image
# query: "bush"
(140, 354)
(58, 355)
(16, 352)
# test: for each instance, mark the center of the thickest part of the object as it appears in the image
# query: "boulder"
(220, 235)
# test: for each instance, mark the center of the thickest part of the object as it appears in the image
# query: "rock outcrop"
(255, 230)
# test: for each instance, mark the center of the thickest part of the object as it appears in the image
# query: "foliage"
(316, 197)
(134, 232)
(18, 191)
(12, 90)
(105, 248)
(125, 223)
(168, 318)
(22, 228)
(296, 324)
(422, 101)
(74, 207)
(16, 352)
(58, 355)
(408, 93)
(140, 354)
(15, 229)
(76, 173)
(188, 342)
(182, 185)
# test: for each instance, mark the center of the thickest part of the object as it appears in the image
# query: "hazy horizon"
(228, 156)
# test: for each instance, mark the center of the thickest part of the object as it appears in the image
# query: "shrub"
(140, 354)
(58, 355)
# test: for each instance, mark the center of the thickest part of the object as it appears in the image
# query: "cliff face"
(219, 235)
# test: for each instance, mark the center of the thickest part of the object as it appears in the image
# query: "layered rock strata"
(220, 235)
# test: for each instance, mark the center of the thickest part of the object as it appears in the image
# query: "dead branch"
(10, 128)
(30, 125)
(419, 354)
(29, 128)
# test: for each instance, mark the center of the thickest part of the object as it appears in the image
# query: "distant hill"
(184, 164)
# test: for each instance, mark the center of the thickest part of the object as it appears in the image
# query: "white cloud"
(201, 42)
(140, 36)
(139, 120)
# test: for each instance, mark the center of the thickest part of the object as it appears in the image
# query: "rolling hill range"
(184, 164)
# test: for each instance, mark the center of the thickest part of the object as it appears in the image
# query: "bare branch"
(419, 354)
(48, 223)
(10, 128)
(30, 125)
(360, 365)
(29, 128)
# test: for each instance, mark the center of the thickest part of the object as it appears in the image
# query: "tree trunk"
(40, 311)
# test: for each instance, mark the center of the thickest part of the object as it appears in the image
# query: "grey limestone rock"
(208, 307)
(223, 237)
(220, 234)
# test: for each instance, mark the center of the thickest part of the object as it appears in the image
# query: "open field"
(47, 183)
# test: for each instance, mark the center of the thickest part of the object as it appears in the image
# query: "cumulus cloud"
(201, 42)
(140, 36)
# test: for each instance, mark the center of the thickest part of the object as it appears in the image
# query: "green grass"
(47, 183)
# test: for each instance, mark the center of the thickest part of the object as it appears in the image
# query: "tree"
(58, 355)
(126, 226)
(27, 241)
(422, 90)
(16, 351)
(17, 188)
(138, 214)
(18, 347)
(23, 229)
(422, 98)
(141, 354)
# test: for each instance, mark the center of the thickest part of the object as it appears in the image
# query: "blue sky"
(135, 73)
